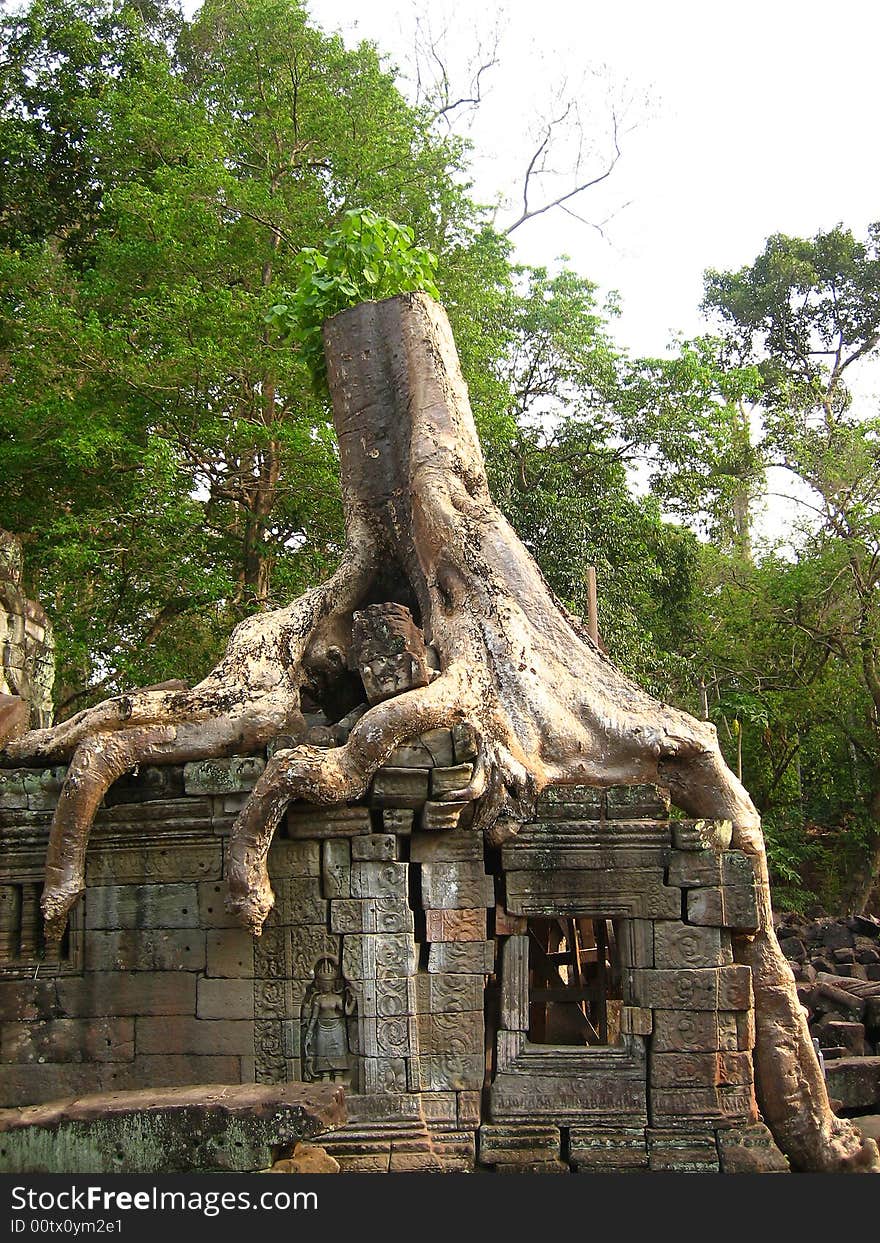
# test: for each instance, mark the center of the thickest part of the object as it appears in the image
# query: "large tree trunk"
(546, 705)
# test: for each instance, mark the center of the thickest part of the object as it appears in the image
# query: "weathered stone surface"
(702, 834)
(444, 1071)
(336, 869)
(456, 886)
(749, 1150)
(162, 1132)
(212, 906)
(442, 817)
(697, 1069)
(302, 947)
(635, 1021)
(225, 999)
(220, 776)
(701, 988)
(397, 820)
(515, 984)
(384, 1074)
(306, 1159)
(124, 993)
(677, 945)
(379, 880)
(363, 915)
(287, 858)
(154, 866)
(230, 953)
(433, 749)
(461, 1032)
(141, 906)
(501, 1144)
(673, 1107)
(306, 821)
(636, 892)
(456, 925)
(855, 1082)
(150, 783)
(450, 847)
(147, 949)
(470, 1107)
(185, 1034)
(449, 994)
(68, 1040)
(639, 802)
(461, 957)
(687, 1030)
(445, 781)
(682, 1153)
(368, 957)
(507, 925)
(298, 900)
(380, 847)
(606, 1095)
(608, 1150)
(400, 787)
(386, 997)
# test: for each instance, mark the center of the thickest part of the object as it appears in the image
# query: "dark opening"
(575, 992)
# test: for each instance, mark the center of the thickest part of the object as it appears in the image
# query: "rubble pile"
(836, 965)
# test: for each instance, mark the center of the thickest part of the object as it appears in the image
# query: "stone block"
(305, 821)
(336, 869)
(289, 859)
(669, 1070)
(456, 886)
(702, 834)
(379, 880)
(298, 901)
(153, 865)
(446, 781)
(141, 906)
(724, 1103)
(694, 867)
(459, 1033)
(148, 949)
(855, 1082)
(366, 915)
(185, 1034)
(608, 1150)
(639, 892)
(440, 1106)
(397, 820)
(638, 802)
(695, 1030)
(749, 1150)
(400, 787)
(441, 1072)
(469, 1109)
(218, 776)
(127, 993)
(439, 817)
(458, 845)
(502, 1144)
(230, 953)
(396, 1036)
(212, 906)
(681, 1153)
(69, 1041)
(456, 925)
(387, 997)
(699, 988)
(225, 999)
(384, 1074)
(448, 994)
(379, 847)
(465, 742)
(515, 984)
(461, 957)
(575, 802)
(635, 1021)
(433, 749)
(677, 945)
(371, 957)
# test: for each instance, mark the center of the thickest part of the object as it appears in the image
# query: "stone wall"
(421, 938)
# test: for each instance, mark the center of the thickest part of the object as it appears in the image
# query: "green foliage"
(369, 257)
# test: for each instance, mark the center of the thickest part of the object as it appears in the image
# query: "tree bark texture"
(546, 705)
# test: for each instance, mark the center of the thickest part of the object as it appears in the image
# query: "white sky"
(762, 119)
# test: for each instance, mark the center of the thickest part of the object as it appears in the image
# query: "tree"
(172, 468)
(807, 314)
(544, 704)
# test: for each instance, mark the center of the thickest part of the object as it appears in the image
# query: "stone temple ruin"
(410, 844)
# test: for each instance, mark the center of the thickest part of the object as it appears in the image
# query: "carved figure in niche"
(388, 649)
(328, 1006)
